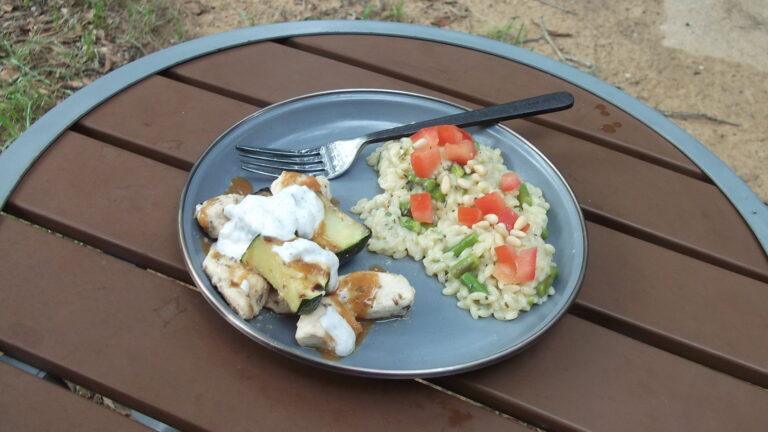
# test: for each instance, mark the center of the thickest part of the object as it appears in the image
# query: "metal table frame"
(24, 151)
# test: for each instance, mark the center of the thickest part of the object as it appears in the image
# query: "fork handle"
(543, 104)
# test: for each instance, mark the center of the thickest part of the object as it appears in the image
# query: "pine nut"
(479, 169)
(475, 177)
(517, 233)
(484, 186)
(498, 239)
(483, 224)
(467, 169)
(445, 185)
(467, 200)
(520, 222)
(491, 218)
(464, 183)
(514, 241)
(501, 229)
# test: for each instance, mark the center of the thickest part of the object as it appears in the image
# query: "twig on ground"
(587, 64)
(552, 33)
(558, 7)
(549, 40)
(563, 58)
(687, 115)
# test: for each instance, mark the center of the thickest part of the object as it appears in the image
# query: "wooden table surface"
(669, 332)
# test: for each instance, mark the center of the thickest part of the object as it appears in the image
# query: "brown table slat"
(624, 275)
(168, 121)
(677, 303)
(605, 181)
(108, 198)
(157, 346)
(487, 79)
(28, 403)
(595, 379)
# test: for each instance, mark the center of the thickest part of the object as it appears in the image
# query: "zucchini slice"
(338, 232)
(341, 234)
(300, 284)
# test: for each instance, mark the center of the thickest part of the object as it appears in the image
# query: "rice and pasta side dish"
(477, 226)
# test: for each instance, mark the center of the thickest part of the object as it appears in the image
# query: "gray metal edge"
(22, 153)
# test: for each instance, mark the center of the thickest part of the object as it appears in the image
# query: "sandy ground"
(705, 59)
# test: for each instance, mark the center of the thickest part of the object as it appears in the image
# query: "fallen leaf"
(8, 74)
(77, 84)
(442, 21)
(194, 7)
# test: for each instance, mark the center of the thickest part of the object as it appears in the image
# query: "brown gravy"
(240, 186)
(361, 288)
(290, 177)
(348, 314)
(205, 244)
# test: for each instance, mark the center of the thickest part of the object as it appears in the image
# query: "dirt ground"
(705, 63)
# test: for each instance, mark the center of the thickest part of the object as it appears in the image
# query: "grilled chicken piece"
(375, 295)
(277, 303)
(319, 184)
(329, 328)
(361, 295)
(210, 214)
(245, 290)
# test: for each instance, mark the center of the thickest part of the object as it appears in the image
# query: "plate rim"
(215, 300)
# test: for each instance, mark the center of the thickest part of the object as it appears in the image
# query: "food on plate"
(337, 232)
(476, 225)
(375, 295)
(244, 289)
(300, 270)
(319, 184)
(326, 330)
(334, 325)
(210, 214)
(281, 248)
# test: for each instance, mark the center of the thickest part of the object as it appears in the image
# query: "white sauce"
(245, 286)
(295, 210)
(340, 331)
(310, 252)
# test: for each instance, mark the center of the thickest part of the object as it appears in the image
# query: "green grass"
(70, 43)
(387, 11)
(514, 32)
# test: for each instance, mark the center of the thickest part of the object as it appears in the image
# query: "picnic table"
(669, 331)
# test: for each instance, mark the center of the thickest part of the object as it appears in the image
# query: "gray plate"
(437, 338)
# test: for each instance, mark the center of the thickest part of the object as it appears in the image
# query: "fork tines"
(271, 162)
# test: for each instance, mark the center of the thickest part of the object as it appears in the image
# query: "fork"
(335, 158)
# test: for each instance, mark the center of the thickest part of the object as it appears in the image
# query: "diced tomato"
(421, 207)
(491, 203)
(430, 134)
(504, 273)
(465, 135)
(508, 217)
(510, 182)
(526, 264)
(469, 215)
(449, 134)
(515, 266)
(425, 161)
(505, 254)
(460, 153)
